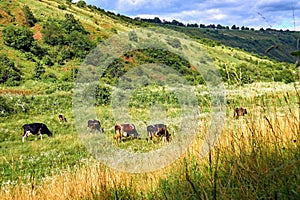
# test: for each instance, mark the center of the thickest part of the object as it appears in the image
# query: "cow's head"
(45, 130)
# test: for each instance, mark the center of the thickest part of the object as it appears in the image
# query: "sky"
(277, 14)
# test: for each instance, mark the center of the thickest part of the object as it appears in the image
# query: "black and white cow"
(125, 130)
(35, 129)
(158, 130)
(94, 125)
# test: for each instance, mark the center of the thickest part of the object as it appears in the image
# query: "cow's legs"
(26, 134)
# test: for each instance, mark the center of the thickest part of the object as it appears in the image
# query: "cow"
(239, 112)
(62, 118)
(94, 125)
(35, 129)
(125, 130)
(158, 130)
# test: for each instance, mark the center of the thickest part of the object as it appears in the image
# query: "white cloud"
(251, 13)
(140, 5)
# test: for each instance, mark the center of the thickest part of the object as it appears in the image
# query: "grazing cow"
(62, 118)
(125, 130)
(158, 130)
(35, 129)
(239, 112)
(94, 125)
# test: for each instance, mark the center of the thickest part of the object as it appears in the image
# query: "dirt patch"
(16, 91)
(5, 18)
(37, 32)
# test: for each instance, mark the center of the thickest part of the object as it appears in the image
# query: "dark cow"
(158, 130)
(94, 125)
(239, 112)
(35, 129)
(62, 118)
(125, 130)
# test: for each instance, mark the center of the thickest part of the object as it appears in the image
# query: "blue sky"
(280, 14)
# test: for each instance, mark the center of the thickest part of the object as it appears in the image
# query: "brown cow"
(158, 130)
(239, 112)
(94, 125)
(62, 118)
(125, 130)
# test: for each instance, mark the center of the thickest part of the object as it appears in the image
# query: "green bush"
(18, 37)
(9, 74)
(5, 107)
(30, 19)
(53, 33)
(62, 7)
(71, 24)
(39, 71)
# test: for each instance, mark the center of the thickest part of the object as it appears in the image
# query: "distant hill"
(275, 44)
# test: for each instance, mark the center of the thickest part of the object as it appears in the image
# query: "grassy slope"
(252, 41)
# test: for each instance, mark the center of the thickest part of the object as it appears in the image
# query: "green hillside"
(272, 43)
(62, 34)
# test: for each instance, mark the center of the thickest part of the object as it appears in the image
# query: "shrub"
(30, 19)
(5, 107)
(53, 33)
(39, 71)
(18, 37)
(9, 74)
(62, 7)
(70, 24)
(80, 44)
(48, 61)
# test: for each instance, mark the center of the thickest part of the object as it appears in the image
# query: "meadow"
(256, 157)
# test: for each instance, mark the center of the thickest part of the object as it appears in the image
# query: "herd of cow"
(121, 130)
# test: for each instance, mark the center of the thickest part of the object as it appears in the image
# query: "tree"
(71, 24)
(81, 4)
(30, 19)
(53, 33)
(9, 74)
(18, 37)
(79, 43)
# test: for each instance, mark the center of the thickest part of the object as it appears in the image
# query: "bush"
(62, 7)
(18, 37)
(48, 61)
(80, 44)
(70, 24)
(53, 33)
(5, 107)
(30, 19)
(39, 71)
(9, 74)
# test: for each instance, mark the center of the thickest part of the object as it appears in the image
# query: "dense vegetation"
(275, 44)
(42, 46)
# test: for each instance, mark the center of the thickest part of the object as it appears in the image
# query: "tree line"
(174, 22)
